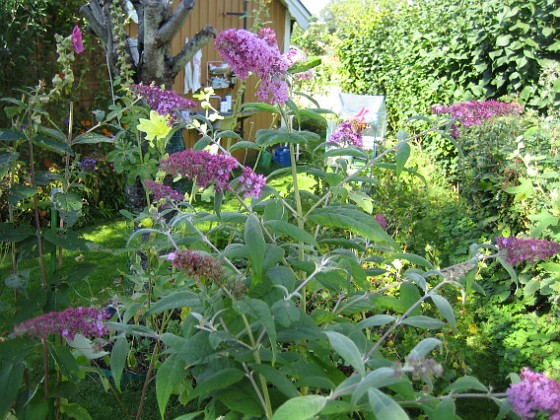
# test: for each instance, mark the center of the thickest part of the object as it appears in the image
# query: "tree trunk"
(158, 23)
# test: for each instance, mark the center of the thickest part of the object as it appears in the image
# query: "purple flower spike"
(77, 40)
(476, 112)
(164, 102)
(519, 250)
(535, 394)
(87, 165)
(248, 53)
(68, 323)
(160, 191)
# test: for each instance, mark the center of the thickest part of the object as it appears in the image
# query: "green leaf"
(169, 376)
(20, 192)
(409, 295)
(53, 145)
(375, 321)
(244, 145)
(65, 361)
(445, 308)
(13, 233)
(119, 354)
(380, 377)
(173, 301)
(503, 41)
(509, 269)
(286, 312)
(302, 66)
(364, 201)
(11, 376)
(300, 408)
(254, 240)
(424, 347)
(74, 410)
(523, 191)
(421, 321)
(413, 258)
(219, 380)
(11, 135)
(402, 155)
(68, 239)
(92, 138)
(466, 383)
(288, 229)
(69, 206)
(260, 312)
(347, 349)
(445, 410)
(276, 378)
(385, 407)
(345, 217)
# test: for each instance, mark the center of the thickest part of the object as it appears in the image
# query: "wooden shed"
(225, 14)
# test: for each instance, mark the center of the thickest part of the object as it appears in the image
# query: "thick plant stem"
(147, 381)
(36, 216)
(46, 369)
(267, 405)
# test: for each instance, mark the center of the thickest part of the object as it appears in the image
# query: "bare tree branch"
(191, 48)
(94, 16)
(173, 25)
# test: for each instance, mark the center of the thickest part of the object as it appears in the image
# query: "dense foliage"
(428, 52)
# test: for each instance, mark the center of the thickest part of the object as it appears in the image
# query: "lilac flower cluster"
(208, 169)
(535, 394)
(345, 134)
(248, 53)
(197, 264)
(161, 191)
(164, 102)
(68, 323)
(519, 250)
(87, 165)
(251, 183)
(476, 112)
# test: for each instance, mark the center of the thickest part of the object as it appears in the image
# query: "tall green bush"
(443, 52)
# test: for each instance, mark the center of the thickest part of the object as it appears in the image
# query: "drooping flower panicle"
(196, 264)
(381, 220)
(161, 191)
(248, 53)
(208, 169)
(535, 394)
(476, 112)
(520, 250)
(86, 321)
(164, 102)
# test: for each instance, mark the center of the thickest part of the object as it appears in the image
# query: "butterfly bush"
(86, 321)
(197, 264)
(164, 102)
(535, 394)
(161, 191)
(476, 112)
(519, 250)
(345, 134)
(247, 53)
(207, 169)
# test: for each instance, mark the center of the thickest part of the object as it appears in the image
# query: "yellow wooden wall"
(215, 13)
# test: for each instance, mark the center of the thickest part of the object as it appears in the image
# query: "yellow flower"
(156, 127)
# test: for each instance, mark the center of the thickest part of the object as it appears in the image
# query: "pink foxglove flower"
(76, 38)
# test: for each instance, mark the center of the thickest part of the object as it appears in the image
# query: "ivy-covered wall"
(444, 51)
